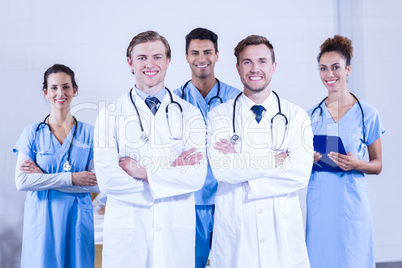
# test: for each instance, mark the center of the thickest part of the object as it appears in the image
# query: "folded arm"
(112, 179)
(265, 178)
(182, 175)
(29, 177)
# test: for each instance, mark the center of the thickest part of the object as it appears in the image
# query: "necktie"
(153, 104)
(258, 109)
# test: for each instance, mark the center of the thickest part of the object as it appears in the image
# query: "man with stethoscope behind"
(205, 92)
(149, 159)
(261, 150)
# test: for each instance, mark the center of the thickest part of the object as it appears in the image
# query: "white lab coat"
(148, 224)
(258, 220)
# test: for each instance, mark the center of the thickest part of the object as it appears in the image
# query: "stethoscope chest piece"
(235, 139)
(144, 137)
(67, 166)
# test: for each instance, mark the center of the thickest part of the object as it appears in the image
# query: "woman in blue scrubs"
(55, 166)
(339, 229)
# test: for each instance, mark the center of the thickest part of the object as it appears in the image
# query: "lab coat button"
(262, 240)
(259, 211)
(158, 228)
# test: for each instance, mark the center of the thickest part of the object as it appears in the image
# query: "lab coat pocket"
(228, 217)
(118, 216)
(289, 206)
(356, 203)
(313, 196)
(184, 212)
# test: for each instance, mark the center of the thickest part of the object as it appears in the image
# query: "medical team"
(203, 171)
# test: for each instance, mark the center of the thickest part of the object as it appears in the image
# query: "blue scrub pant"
(203, 237)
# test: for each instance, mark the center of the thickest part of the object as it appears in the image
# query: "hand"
(224, 146)
(280, 158)
(188, 158)
(317, 156)
(345, 162)
(30, 167)
(132, 168)
(102, 210)
(84, 178)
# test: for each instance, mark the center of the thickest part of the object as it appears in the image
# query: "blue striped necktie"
(258, 109)
(152, 104)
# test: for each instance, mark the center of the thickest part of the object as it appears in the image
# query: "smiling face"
(201, 56)
(256, 68)
(59, 91)
(333, 71)
(149, 63)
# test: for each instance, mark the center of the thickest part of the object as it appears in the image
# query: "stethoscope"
(67, 165)
(211, 99)
(361, 110)
(235, 138)
(144, 137)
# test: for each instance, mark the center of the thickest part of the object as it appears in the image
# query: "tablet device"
(324, 145)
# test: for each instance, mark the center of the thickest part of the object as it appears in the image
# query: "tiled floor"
(389, 265)
(378, 265)
(381, 265)
(98, 260)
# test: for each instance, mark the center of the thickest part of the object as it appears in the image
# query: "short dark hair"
(59, 68)
(202, 34)
(340, 44)
(148, 36)
(253, 40)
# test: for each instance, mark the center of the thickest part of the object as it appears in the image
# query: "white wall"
(91, 37)
(377, 26)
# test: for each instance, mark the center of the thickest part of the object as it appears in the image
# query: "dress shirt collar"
(160, 95)
(267, 103)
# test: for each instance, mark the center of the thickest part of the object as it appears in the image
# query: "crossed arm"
(186, 158)
(130, 180)
(226, 147)
(30, 177)
(262, 170)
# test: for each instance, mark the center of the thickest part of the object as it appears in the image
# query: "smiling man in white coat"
(260, 148)
(149, 165)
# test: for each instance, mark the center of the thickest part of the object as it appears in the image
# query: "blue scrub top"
(339, 228)
(58, 227)
(206, 196)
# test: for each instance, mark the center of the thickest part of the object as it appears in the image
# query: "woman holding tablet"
(339, 230)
